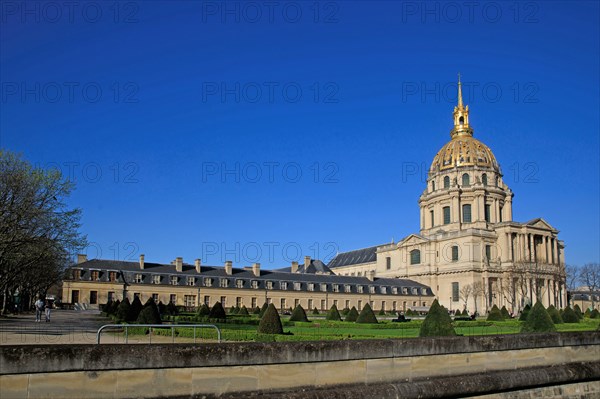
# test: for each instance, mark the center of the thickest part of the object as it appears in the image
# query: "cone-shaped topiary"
(333, 314)
(243, 311)
(465, 313)
(270, 322)
(569, 315)
(594, 314)
(123, 310)
(149, 313)
(352, 315)
(315, 311)
(256, 310)
(504, 312)
(554, 315)
(345, 311)
(298, 314)
(437, 323)
(172, 309)
(366, 315)
(217, 312)
(495, 314)
(382, 312)
(162, 309)
(204, 310)
(578, 311)
(114, 306)
(135, 309)
(524, 313)
(263, 309)
(538, 320)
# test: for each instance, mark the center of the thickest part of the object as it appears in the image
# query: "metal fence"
(150, 327)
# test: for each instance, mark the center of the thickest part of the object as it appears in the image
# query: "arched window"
(484, 179)
(461, 120)
(446, 182)
(465, 180)
(466, 213)
(415, 257)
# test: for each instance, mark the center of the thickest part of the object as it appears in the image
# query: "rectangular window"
(423, 291)
(223, 283)
(208, 282)
(174, 280)
(323, 287)
(95, 275)
(253, 302)
(405, 290)
(310, 304)
(111, 296)
(336, 288)
(297, 286)
(93, 297)
(359, 305)
(223, 301)
(487, 213)
(431, 216)
(254, 284)
(238, 302)
(388, 263)
(466, 210)
(347, 288)
(372, 289)
(156, 279)
(347, 304)
(383, 305)
(112, 276)
(335, 302)
(138, 278)
(173, 299)
(415, 257)
(239, 283)
(488, 252)
(455, 253)
(394, 306)
(394, 290)
(414, 291)
(384, 290)
(446, 211)
(282, 303)
(311, 287)
(207, 300)
(359, 289)
(283, 285)
(296, 302)
(155, 298)
(189, 301)
(191, 281)
(323, 305)
(269, 285)
(455, 292)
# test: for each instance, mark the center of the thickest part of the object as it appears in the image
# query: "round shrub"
(298, 314)
(263, 309)
(538, 320)
(352, 315)
(217, 312)
(569, 315)
(594, 314)
(149, 313)
(437, 323)
(333, 314)
(554, 315)
(495, 314)
(366, 315)
(203, 310)
(123, 310)
(270, 322)
(504, 312)
(525, 313)
(243, 311)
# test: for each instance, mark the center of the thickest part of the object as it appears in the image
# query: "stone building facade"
(469, 249)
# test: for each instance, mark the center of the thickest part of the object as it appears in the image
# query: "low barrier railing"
(155, 326)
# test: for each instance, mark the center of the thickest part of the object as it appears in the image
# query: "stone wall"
(422, 367)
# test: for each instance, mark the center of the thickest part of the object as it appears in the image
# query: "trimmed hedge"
(333, 314)
(569, 315)
(299, 314)
(437, 323)
(352, 315)
(495, 314)
(367, 316)
(270, 323)
(554, 315)
(217, 312)
(538, 320)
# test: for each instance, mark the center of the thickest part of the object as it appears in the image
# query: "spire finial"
(460, 100)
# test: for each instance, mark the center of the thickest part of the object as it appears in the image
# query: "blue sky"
(262, 132)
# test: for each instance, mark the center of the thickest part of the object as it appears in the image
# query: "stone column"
(510, 249)
(555, 250)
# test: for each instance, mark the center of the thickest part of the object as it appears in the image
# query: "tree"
(538, 320)
(270, 322)
(333, 314)
(299, 314)
(217, 312)
(573, 274)
(38, 232)
(352, 315)
(477, 291)
(590, 277)
(437, 323)
(465, 293)
(366, 315)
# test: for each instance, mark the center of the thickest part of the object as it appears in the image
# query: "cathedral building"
(469, 249)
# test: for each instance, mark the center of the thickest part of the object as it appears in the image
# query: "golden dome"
(463, 151)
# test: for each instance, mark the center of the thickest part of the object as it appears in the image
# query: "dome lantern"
(461, 117)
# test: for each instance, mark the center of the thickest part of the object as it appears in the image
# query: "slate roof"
(128, 271)
(355, 257)
(315, 267)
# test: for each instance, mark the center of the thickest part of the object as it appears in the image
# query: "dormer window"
(95, 275)
(239, 283)
(311, 287)
(269, 285)
(174, 280)
(254, 284)
(297, 286)
(223, 283)
(347, 288)
(208, 282)
(156, 279)
(138, 278)
(283, 285)
(372, 289)
(359, 289)
(324, 287)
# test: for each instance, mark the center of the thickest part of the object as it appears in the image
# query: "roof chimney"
(142, 261)
(294, 267)
(198, 263)
(371, 275)
(306, 263)
(81, 258)
(179, 264)
(228, 267)
(256, 269)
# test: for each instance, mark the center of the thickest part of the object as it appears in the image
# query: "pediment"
(413, 239)
(540, 224)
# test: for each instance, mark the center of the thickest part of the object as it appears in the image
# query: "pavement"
(68, 327)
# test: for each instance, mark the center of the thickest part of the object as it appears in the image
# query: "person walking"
(39, 309)
(48, 309)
